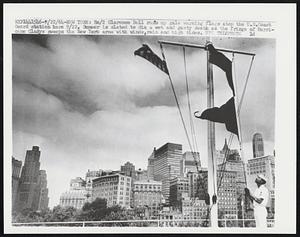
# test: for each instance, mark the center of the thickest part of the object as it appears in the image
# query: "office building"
(115, 188)
(193, 209)
(16, 169)
(29, 179)
(179, 187)
(129, 170)
(167, 166)
(258, 145)
(239, 167)
(42, 199)
(147, 193)
(189, 162)
(150, 167)
(73, 198)
(227, 194)
(77, 195)
(89, 177)
(198, 184)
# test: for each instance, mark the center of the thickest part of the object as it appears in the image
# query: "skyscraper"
(29, 179)
(16, 168)
(179, 187)
(128, 169)
(42, 191)
(167, 165)
(227, 194)
(258, 145)
(150, 168)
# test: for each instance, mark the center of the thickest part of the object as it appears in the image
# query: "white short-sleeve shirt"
(261, 192)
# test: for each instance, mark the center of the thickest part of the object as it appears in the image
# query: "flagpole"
(212, 168)
(237, 112)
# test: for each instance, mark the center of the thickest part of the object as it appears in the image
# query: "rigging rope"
(193, 145)
(239, 108)
(177, 103)
(194, 140)
(245, 86)
(189, 103)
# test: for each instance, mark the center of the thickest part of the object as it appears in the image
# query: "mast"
(212, 168)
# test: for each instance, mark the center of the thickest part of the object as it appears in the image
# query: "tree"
(61, 214)
(28, 215)
(94, 211)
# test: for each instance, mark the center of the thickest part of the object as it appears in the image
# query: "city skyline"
(88, 102)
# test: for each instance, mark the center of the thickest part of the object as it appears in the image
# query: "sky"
(89, 103)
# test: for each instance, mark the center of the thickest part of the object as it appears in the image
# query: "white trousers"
(260, 215)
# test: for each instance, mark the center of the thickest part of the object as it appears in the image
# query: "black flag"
(148, 54)
(225, 114)
(222, 62)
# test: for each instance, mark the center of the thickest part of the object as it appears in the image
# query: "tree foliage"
(94, 211)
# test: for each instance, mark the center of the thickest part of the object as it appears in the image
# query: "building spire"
(225, 147)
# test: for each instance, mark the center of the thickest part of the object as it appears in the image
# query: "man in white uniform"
(260, 199)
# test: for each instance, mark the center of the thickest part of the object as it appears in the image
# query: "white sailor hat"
(261, 176)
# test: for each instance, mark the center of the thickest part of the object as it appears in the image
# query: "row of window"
(147, 187)
(123, 178)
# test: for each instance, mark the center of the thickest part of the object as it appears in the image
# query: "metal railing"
(149, 223)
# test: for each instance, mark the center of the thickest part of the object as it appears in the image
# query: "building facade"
(240, 168)
(264, 165)
(227, 194)
(89, 177)
(73, 198)
(167, 166)
(77, 195)
(150, 167)
(198, 184)
(142, 175)
(16, 169)
(115, 188)
(42, 196)
(193, 209)
(29, 180)
(189, 162)
(129, 170)
(179, 187)
(147, 193)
